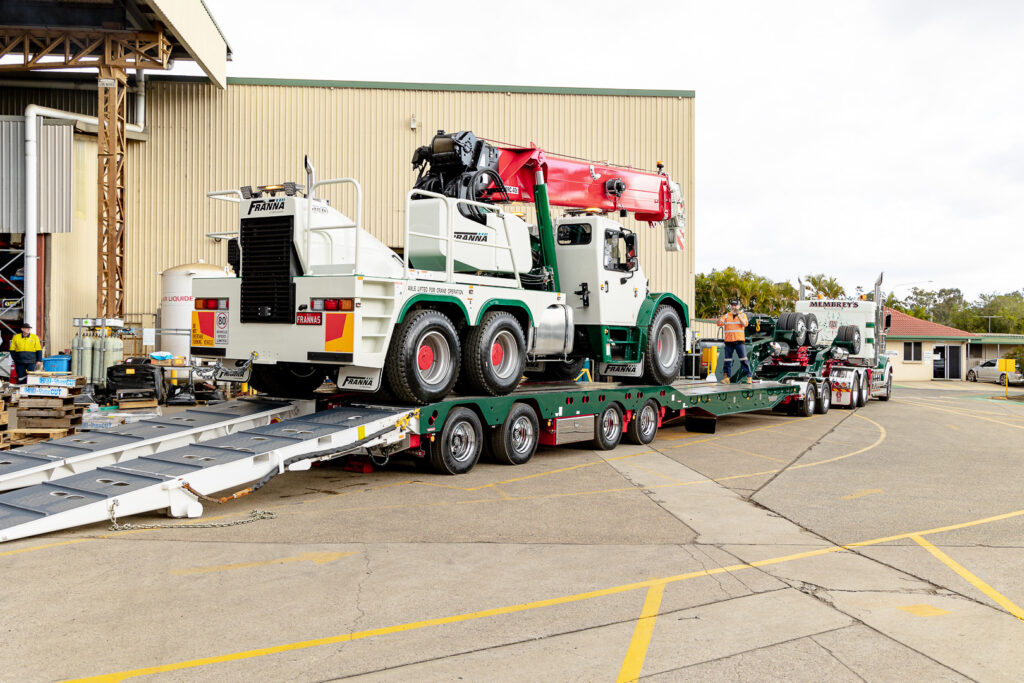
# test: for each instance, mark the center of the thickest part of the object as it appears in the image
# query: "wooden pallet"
(27, 437)
(67, 422)
(61, 412)
(129, 404)
(33, 402)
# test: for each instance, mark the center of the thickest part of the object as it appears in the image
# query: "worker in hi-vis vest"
(26, 352)
(733, 323)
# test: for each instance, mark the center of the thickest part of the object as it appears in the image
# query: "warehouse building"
(199, 137)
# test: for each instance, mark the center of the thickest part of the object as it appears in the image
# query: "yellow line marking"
(42, 547)
(511, 609)
(952, 426)
(634, 661)
(988, 590)
(860, 494)
(317, 557)
(923, 610)
(963, 414)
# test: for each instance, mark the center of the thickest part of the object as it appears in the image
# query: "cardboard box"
(51, 381)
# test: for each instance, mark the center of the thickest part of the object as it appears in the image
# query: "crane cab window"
(574, 234)
(620, 251)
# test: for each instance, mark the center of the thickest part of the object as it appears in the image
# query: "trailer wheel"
(812, 329)
(515, 441)
(825, 400)
(495, 354)
(458, 447)
(288, 380)
(663, 357)
(888, 389)
(423, 360)
(608, 428)
(808, 405)
(642, 429)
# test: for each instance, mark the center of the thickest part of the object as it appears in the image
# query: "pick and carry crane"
(478, 296)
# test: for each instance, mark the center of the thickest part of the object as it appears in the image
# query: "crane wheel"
(794, 327)
(495, 354)
(663, 357)
(850, 335)
(515, 441)
(423, 359)
(457, 448)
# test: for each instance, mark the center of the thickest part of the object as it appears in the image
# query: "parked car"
(988, 371)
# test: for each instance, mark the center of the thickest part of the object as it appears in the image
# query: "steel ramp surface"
(53, 460)
(155, 481)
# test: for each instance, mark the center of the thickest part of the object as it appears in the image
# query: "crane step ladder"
(175, 478)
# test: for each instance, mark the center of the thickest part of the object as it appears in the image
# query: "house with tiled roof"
(991, 345)
(922, 350)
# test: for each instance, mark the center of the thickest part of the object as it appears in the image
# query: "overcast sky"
(838, 137)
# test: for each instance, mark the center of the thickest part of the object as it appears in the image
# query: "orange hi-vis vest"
(733, 325)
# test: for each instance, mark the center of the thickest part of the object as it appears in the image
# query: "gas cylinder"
(85, 357)
(76, 352)
(113, 348)
(99, 369)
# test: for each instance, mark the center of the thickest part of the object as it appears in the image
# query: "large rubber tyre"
(288, 380)
(807, 405)
(1002, 379)
(423, 360)
(794, 325)
(495, 354)
(570, 369)
(825, 399)
(812, 328)
(854, 396)
(851, 335)
(608, 428)
(663, 357)
(888, 389)
(457, 448)
(515, 441)
(642, 429)
(865, 390)
(972, 376)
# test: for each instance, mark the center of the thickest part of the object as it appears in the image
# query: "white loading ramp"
(167, 478)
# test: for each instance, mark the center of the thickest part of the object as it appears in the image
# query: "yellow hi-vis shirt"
(733, 325)
(23, 343)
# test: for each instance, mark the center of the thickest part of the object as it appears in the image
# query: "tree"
(826, 286)
(714, 289)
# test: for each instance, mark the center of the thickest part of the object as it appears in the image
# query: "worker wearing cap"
(26, 352)
(733, 323)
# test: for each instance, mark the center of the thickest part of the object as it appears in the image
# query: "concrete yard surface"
(884, 543)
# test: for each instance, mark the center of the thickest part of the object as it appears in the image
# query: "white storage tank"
(176, 303)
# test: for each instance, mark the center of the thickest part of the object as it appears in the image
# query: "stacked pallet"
(5, 439)
(46, 408)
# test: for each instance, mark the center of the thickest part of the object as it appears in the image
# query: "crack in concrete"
(836, 657)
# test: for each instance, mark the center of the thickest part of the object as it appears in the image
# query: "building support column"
(111, 114)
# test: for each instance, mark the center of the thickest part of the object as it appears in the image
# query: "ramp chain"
(254, 516)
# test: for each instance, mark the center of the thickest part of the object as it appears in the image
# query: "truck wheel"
(515, 441)
(825, 400)
(808, 404)
(795, 327)
(865, 390)
(608, 428)
(663, 357)
(423, 360)
(458, 447)
(495, 354)
(854, 394)
(812, 329)
(888, 389)
(644, 425)
(288, 380)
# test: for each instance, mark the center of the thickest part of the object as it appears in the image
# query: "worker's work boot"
(726, 380)
(749, 380)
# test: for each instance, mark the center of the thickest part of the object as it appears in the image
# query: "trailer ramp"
(158, 480)
(86, 451)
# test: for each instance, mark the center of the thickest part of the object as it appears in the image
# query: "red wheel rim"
(425, 357)
(496, 354)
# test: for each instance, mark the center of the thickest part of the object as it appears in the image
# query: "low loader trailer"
(179, 462)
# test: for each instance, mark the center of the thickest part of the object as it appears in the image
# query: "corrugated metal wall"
(203, 138)
(55, 151)
(13, 100)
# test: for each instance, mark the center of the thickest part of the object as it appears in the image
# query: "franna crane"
(476, 298)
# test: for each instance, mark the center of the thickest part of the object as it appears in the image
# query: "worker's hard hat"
(734, 302)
